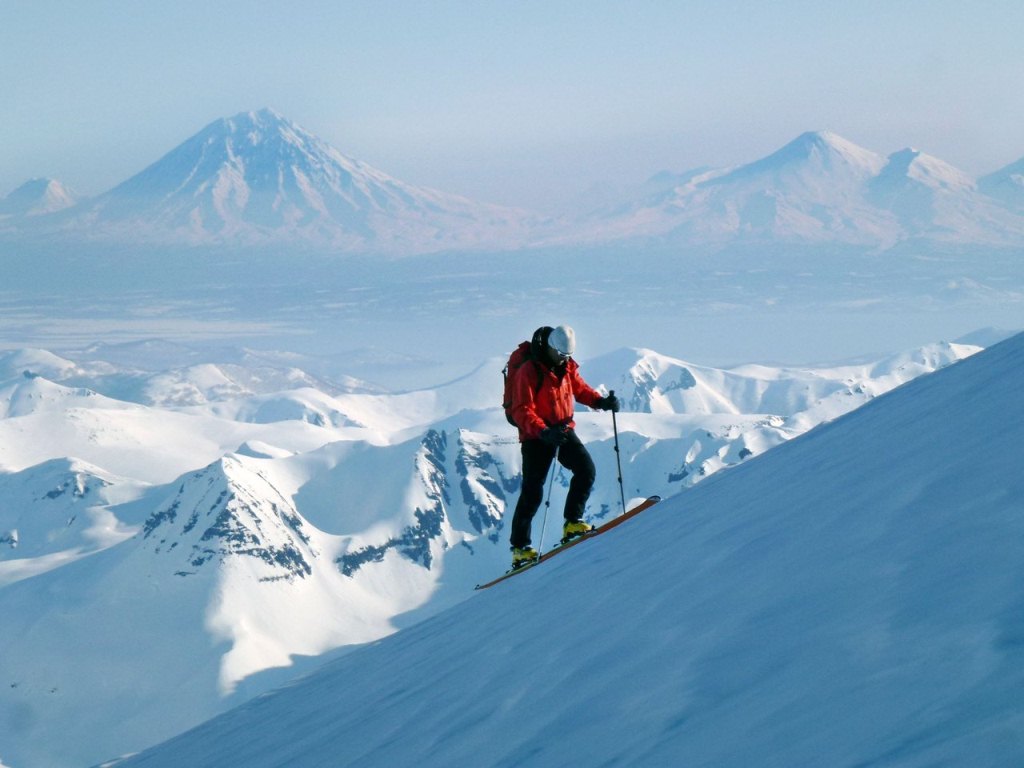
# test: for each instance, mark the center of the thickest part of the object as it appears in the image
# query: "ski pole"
(547, 504)
(618, 458)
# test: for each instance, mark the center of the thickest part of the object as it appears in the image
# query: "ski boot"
(523, 556)
(573, 529)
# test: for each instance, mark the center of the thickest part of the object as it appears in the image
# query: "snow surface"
(850, 598)
(242, 530)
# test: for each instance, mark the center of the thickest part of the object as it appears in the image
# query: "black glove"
(609, 403)
(554, 436)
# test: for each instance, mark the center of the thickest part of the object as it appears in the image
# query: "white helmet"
(563, 340)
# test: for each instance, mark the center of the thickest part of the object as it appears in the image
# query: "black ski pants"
(537, 458)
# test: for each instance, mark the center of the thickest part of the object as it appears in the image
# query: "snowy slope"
(851, 598)
(239, 532)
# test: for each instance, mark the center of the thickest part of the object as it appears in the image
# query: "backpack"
(526, 352)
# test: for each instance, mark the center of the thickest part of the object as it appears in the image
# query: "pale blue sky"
(525, 102)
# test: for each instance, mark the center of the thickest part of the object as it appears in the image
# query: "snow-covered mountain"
(851, 598)
(37, 197)
(819, 189)
(239, 530)
(258, 178)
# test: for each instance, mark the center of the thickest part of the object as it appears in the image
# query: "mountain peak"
(225, 511)
(822, 188)
(257, 177)
(824, 148)
(822, 138)
(265, 114)
(37, 197)
(259, 121)
(913, 164)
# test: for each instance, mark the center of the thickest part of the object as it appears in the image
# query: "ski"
(650, 501)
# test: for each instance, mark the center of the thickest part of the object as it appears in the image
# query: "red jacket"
(534, 409)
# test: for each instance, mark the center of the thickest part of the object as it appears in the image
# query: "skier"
(544, 388)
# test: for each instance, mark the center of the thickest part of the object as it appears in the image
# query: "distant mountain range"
(258, 178)
(823, 189)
